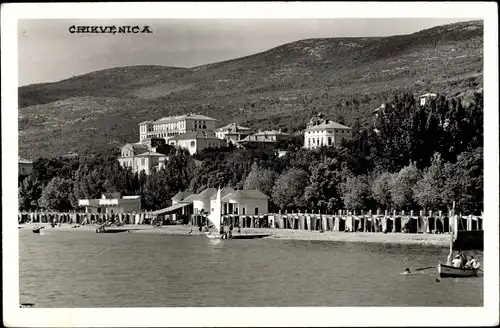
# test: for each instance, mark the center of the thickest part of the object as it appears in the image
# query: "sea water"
(85, 269)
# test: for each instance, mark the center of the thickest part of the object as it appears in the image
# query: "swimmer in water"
(407, 271)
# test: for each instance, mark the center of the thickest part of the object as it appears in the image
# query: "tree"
(288, 192)
(381, 190)
(156, 193)
(356, 192)
(402, 187)
(57, 195)
(429, 190)
(260, 179)
(29, 192)
(464, 182)
(323, 192)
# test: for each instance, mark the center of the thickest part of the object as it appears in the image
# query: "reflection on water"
(83, 269)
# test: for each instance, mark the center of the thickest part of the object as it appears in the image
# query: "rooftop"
(327, 125)
(224, 192)
(206, 194)
(233, 127)
(131, 197)
(429, 94)
(194, 135)
(246, 194)
(190, 198)
(151, 153)
(24, 161)
(171, 119)
(270, 132)
(181, 195)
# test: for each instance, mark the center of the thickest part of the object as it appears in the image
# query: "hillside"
(345, 78)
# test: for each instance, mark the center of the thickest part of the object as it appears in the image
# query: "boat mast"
(452, 232)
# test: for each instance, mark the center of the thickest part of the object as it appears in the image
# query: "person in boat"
(460, 260)
(407, 271)
(456, 262)
(472, 264)
(463, 259)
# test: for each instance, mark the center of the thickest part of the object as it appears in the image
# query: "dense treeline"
(410, 157)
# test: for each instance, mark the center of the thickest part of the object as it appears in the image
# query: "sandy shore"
(364, 237)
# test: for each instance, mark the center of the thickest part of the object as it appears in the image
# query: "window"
(256, 210)
(192, 143)
(329, 141)
(243, 211)
(212, 209)
(236, 210)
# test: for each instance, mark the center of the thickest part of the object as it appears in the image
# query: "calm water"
(82, 269)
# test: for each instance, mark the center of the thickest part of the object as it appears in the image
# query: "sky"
(48, 52)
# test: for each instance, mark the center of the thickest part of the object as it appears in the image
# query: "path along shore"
(441, 240)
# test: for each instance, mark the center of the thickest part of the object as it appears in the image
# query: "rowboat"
(37, 229)
(446, 271)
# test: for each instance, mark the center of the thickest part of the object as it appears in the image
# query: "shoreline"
(441, 240)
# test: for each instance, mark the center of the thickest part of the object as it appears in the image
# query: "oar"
(429, 267)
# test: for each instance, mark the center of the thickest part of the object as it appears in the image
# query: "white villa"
(143, 156)
(325, 133)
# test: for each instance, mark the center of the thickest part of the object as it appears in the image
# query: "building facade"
(196, 141)
(233, 133)
(139, 156)
(325, 133)
(25, 167)
(246, 202)
(112, 203)
(171, 126)
(266, 136)
(425, 98)
(201, 201)
(238, 202)
(213, 199)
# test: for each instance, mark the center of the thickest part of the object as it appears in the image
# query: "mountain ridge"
(341, 77)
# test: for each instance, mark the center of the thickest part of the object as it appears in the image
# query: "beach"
(441, 240)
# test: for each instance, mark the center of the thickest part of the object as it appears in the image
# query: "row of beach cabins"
(343, 221)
